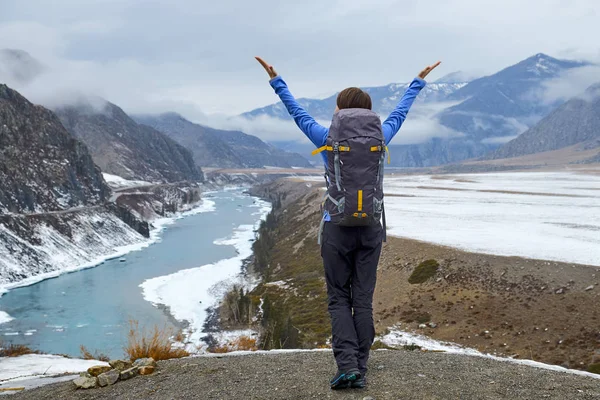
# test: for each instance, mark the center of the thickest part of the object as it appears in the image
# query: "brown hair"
(353, 97)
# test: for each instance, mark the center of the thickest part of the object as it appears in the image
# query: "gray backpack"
(355, 158)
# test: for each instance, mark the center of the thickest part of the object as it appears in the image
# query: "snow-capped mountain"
(577, 122)
(384, 100)
(483, 114)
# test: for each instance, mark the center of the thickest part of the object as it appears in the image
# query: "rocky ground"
(394, 375)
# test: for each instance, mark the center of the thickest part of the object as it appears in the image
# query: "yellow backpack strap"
(321, 149)
(388, 154)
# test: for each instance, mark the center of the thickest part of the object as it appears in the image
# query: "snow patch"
(399, 338)
(547, 216)
(117, 182)
(17, 369)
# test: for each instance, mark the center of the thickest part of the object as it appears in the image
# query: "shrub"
(411, 347)
(15, 350)
(243, 343)
(155, 343)
(424, 271)
(594, 368)
(378, 344)
(87, 355)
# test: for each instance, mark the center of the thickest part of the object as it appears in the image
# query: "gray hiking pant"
(350, 256)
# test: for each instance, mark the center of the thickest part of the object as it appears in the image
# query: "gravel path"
(394, 375)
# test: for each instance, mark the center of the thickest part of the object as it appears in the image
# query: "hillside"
(121, 147)
(42, 167)
(222, 149)
(577, 122)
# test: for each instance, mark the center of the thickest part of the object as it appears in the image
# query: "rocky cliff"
(42, 167)
(122, 147)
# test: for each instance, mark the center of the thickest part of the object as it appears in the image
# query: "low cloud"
(499, 139)
(571, 83)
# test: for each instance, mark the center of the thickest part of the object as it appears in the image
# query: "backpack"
(354, 175)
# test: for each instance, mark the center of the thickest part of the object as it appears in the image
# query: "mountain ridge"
(221, 148)
(122, 147)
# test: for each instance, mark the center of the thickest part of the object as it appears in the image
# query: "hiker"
(354, 150)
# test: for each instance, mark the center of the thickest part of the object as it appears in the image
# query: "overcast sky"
(193, 56)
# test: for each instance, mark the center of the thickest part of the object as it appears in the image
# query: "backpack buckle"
(336, 147)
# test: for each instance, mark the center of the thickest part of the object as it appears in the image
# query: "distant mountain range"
(219, 148)
(122, 147)
(487, 112)
(576, 122)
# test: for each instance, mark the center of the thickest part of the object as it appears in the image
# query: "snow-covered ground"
(116, 182)
(38, 369)
(188, 293)
(550, 216)
(398, 338)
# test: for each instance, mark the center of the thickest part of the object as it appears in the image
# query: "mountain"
(502, 105)
(42, 167)
(576, 122)
(384, 100)
(17, 66)
(122, 147)
(219, 148)
(487, 112)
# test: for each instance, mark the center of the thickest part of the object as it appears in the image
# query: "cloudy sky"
(196, 57)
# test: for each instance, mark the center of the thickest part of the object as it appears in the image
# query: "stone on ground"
(147, 370)
(120, 364)
(129, 373)
(84, 382)
(98, 369)
(144, 362)
(108, 378)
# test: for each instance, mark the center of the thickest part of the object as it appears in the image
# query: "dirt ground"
(518, 307)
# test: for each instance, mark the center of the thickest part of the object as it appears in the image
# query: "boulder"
(98, 369)
(120, 365)
(84, 382)
(146, 370)
(108, 378)
(129, 373)
(144, 362)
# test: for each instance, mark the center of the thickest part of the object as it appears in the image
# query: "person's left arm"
(392, 124)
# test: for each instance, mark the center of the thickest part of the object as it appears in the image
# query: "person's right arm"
(307, 124)
(316, 132)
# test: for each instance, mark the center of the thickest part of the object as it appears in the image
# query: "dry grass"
(243, 343)
(155, 343)
(87, 355)
(15, 350)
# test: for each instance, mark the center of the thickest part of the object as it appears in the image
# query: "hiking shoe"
(344, 379)
(359, 383)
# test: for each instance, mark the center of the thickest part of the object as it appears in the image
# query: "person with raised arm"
(351, 232)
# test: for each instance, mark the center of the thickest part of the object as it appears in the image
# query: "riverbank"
(511, 306)
(190, 294)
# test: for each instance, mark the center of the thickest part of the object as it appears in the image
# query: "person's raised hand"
(269, 68)
(423, 74)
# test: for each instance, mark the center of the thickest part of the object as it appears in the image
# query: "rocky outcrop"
(42, 167)
(122, 147)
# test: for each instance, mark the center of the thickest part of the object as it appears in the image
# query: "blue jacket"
(318, 133)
